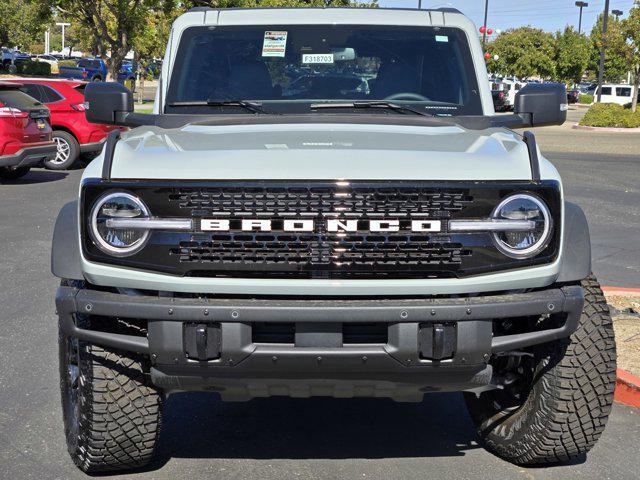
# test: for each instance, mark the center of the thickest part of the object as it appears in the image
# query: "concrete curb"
(606, 129)
(621, 291)
(627, 388)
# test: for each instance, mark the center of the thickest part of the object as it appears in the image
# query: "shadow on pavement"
(198, 425)
(37, 176)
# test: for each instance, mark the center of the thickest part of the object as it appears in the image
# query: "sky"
(550, 15)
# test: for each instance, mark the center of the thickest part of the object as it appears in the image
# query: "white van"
(616, 93)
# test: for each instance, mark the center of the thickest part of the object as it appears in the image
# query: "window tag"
(274, 44)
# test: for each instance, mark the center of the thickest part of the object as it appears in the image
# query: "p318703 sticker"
(325, 58)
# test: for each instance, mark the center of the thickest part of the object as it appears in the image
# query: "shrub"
(29, 67)
(585, 98)
(610, 115)
(67, 63)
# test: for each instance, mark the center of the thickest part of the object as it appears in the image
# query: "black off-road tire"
(568, 402)
(114, 422)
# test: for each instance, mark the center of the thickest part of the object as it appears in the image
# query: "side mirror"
(108, 103)
(545, 103)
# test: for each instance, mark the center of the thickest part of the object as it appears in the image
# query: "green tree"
(616, 64)
(115, 24)
(632, 30)
(119, 26)
(572, 55)
(22, 21)
(525, 52)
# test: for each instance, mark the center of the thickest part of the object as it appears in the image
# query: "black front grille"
(321, 253)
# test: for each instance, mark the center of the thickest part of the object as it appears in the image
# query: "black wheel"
(560, 397)
(68, 151)
(111, 411)
(8, 173)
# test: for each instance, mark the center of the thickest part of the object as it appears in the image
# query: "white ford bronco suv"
(324, 203)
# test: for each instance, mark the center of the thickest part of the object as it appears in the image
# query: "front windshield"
(292, 68)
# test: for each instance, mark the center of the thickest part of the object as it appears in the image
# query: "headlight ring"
(521, 245)
(120, 242)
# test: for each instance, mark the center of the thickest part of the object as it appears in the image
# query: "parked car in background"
(89, 69)
(50, 59)
(587, 88)
(25, 133)
(573, 95)
(72, 133)
(127, 75)
(7, 58)
(499, 100)
(95, 70)
(509, 87)
(616, 93)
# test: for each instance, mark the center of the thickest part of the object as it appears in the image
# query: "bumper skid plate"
(432, 344)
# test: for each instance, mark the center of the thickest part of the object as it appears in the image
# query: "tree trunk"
(636, 90)
(115, 63)
(140, 74)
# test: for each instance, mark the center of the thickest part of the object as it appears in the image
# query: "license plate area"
(437, 341)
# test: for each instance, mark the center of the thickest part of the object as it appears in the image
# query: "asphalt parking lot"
(290, 438)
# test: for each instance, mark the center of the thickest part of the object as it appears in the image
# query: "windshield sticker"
(275, 44)
(442, 38)
(317, 58)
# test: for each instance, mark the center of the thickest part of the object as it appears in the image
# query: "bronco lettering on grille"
(306, 225)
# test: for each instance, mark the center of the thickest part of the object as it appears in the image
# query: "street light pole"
(581, 5)
(605, 20)
(419, 4)
(486, 13)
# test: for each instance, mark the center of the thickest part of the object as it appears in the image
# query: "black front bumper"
(29, 156)
(244, 369)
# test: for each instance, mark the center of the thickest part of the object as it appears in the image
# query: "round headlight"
(523, 243)
(116, 240)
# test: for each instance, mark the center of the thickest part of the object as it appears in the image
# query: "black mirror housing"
(108, 102)
(546, 103)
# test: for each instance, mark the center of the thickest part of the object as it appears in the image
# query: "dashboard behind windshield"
(291, 67)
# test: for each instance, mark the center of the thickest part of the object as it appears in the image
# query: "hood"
(321, 152)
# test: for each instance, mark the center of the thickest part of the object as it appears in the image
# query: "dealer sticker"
(317, 58)
(274, 44)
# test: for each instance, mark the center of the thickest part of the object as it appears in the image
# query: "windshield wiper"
(254, 107)
(373, 104)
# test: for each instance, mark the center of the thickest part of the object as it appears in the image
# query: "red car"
(25, 133)
(71, 131)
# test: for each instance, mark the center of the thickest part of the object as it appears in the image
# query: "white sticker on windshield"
(274, 44)
(317, 58)
(442, 38)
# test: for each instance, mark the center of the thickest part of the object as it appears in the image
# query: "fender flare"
(576, 246)
(65, 250)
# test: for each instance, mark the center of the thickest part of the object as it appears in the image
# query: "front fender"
(65, 250)
(576, 249)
